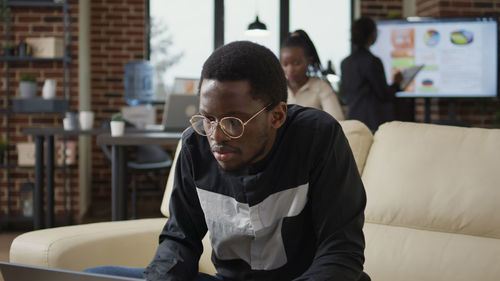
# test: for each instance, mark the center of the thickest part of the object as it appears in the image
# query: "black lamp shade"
(257, 25)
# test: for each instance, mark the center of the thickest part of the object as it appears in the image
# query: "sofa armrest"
(126, 243)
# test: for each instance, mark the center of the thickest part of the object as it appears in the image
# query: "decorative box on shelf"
(25, 153)
(39, 105)
(46, 47)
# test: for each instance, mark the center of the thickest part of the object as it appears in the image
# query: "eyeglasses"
(231, 126)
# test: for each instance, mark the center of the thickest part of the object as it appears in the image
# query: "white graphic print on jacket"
(253, 234)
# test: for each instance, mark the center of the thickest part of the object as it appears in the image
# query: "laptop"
(178, 110)
(21, 272)
(185, 85)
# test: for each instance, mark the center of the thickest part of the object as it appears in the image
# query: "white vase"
(49, 89)
(117, 128)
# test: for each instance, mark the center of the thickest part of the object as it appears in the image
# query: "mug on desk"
(86, 120)
(70, 121)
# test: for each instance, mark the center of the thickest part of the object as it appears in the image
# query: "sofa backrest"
(170, 183)
(360, 139)
(433, 209)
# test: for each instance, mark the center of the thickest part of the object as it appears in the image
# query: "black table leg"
(49, 215)
(118, 188)
(38, 192)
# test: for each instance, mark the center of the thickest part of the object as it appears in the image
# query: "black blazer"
(365, 89)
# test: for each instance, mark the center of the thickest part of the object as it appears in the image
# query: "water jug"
(138, 82)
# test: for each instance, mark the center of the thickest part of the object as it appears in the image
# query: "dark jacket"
(365, 89)
(296, 214)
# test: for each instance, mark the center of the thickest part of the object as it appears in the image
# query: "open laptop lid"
(178, 110)
(21, 272)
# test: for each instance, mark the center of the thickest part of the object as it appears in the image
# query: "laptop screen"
(178, 110)
(21, 272)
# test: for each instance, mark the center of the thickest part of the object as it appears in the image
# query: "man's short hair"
(244, 60)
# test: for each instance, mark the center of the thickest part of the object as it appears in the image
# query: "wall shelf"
(31, 4)
(40, 105)
(12, 65)
(33, 59)
(14, 166)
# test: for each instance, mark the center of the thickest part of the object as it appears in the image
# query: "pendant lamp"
(257, 28)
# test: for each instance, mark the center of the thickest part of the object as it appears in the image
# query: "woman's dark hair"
(361, 31)
(299, 38)
(244, 60)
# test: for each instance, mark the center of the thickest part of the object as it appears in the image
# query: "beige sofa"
(433, 210)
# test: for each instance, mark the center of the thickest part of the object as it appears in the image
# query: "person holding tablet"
(369, 98)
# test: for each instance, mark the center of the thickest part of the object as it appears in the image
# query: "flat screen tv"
(459, 55)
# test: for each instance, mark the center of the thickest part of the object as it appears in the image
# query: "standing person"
(301, 64)
(276, 186)
(364, 85)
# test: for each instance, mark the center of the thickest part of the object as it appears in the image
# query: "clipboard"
(408, 75)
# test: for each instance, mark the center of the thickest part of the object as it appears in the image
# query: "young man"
(276, 186)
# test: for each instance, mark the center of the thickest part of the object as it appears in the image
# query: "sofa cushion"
(360, 139)
(396, 253)
(435, 177)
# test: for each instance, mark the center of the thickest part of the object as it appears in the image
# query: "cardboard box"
(46, 47)
(139, 115)
(26, 154)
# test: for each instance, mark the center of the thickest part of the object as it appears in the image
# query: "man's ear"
(278, 115)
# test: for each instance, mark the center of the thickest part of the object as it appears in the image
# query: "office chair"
(148, 158)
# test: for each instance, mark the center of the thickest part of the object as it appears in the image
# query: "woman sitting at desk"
(300, 62)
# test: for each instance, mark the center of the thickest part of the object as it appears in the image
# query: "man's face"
(220, 99)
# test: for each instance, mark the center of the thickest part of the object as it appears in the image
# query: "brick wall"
(117, 36)
(476, 112)
(378, 9)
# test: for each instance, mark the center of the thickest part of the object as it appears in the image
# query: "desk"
(47, 134)
(119, 162)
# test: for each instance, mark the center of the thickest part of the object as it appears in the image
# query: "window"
(181, 39)
(239, 14)
(182, 32)
(328, 24)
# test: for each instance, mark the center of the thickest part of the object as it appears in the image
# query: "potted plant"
(3, 148)
(27, 86)
(9, 49)
(117, 125)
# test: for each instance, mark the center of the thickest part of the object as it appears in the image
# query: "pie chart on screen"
(461, 37)
(431, 37)
(427, 82)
